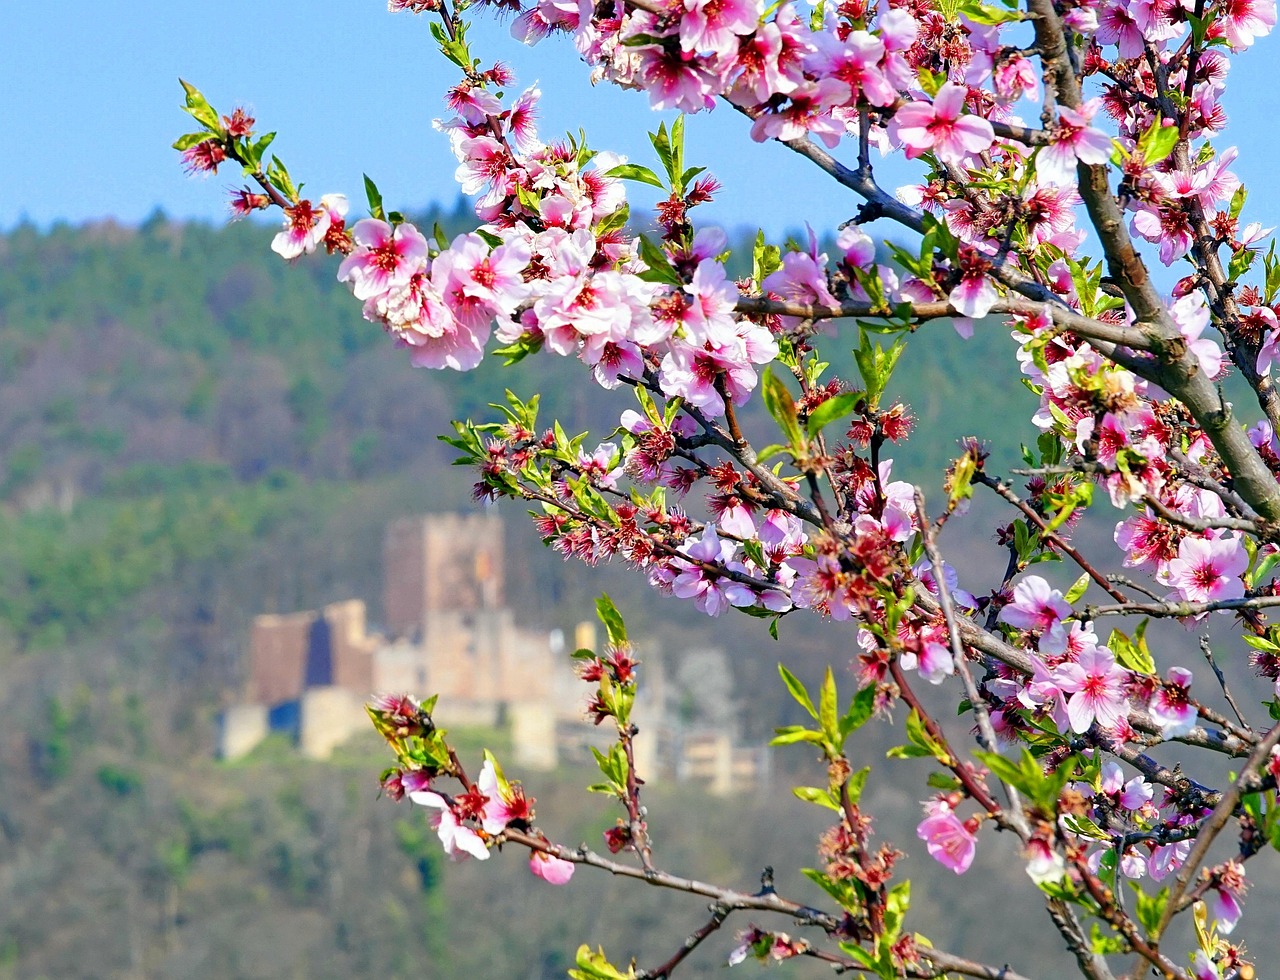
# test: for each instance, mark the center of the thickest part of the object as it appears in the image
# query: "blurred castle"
(451, 633)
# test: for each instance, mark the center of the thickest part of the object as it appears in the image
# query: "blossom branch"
(1180, 610)
(1066, 319)
(695, 939)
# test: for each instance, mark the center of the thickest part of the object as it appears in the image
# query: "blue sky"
(89, 96)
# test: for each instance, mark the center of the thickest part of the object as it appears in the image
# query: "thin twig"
(986, 733)
(1222, 682)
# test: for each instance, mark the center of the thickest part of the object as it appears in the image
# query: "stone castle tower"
(443, 595)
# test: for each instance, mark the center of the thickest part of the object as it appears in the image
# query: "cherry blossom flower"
(715, 25)
(551, 869)
(460, 842)
(941, 127)
(1248, 20)
(305, 226)
(1072, 140)
(1224, 898)
(1208, 569)
(384, 258)
(1037, 606)
(1096, 684)
(711, 591)
(934, 661)
(204, 157)
(948, 839)
(1171, 706)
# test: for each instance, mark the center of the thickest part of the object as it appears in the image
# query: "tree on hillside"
(1064, 154)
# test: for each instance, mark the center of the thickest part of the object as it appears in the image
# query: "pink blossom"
(384, 257)
(946, 837)
(806, 111)
(941, 127)
(760, 76)
(305, 226)
(973, 296)
(1165, 226)
(492, 275)
(1132, 795)
(1171, 706)
(1096, 684)
(1037, 606)
(855, 62)
(1116, 25)
(1224, 898)
(1208, 569)
(459, 841)
(1073, 139)
(710, 590)
(1247, 20)
(551, 869)
(485, 167)
(934, 661)
(715, 25)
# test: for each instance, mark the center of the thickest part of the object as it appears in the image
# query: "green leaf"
(255, 151)
(1149, 908)
(1158, 141)
(765, 259)
(797, 691)
(860, 709)
(595, 966)
(832, 409)
(1077, 589)
(1105, 945)
(876, 365)
(1132, 654)
(1082, 826)
(856, 783)
(827, 701)
(634, 171)
(375, 199)
(188, 140)
(1237, 202)
(795, 733)
(660, 267)
(981, 13)
(197, 106)
(612, 620)
(780, 404)
(842, 891)
(662, 145)
(812, 794)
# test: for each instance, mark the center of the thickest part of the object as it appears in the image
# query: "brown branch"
(1051, 538)
(1179, 609)
(718, 914)
(1222, 682)
(1064, 318)
(766, 900)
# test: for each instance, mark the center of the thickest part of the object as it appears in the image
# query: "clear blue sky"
(89, 96)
